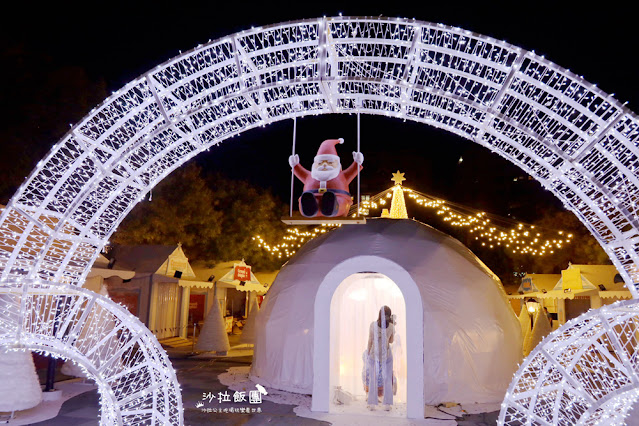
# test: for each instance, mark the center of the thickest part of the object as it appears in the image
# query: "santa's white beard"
(325, 175)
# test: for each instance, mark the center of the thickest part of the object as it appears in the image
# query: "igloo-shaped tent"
(462, 342)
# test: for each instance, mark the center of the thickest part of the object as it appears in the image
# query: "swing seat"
(298, 219)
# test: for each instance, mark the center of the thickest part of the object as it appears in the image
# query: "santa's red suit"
(326, 186)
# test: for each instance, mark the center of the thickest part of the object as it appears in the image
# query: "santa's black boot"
(329, 205)
(308, 205)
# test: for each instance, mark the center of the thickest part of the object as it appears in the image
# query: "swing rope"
(292, 172)
(358, 150)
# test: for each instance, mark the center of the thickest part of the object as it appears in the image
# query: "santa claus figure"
(326, 185)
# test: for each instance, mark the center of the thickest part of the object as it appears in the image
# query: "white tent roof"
(101, 268)
(252, 285)
(206, 276)
(472, 339)
(153, 259)
(540, 282)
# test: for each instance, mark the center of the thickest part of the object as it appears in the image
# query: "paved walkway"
(196, 377)
(199, 376)
(81, 410)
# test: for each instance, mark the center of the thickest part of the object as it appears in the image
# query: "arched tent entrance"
(355, 304)
(576, 140)
(414, 345)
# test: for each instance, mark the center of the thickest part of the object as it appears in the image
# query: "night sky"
(111, 43)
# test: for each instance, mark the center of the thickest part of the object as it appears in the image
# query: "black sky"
(117, 41)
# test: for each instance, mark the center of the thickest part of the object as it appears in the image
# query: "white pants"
(386, 380)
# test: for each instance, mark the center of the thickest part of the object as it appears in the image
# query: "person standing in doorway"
(379, 381)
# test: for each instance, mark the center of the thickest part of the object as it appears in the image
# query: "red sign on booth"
(242, 273)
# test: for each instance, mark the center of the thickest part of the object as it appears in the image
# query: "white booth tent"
(471, 338)
(101, 270)
(253, 284)
(161, 285)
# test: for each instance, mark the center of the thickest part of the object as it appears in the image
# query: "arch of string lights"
(577, 141)
(136, 381)
(584, 373)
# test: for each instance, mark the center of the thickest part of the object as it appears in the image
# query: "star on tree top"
(398, 178)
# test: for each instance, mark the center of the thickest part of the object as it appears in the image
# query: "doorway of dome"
(354, 316)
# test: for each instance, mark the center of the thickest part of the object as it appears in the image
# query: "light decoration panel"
(576, 140)
(293, 240)
(584, 373)
(136, 381)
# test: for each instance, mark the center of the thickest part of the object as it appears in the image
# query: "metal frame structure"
(577, 141)
(136, 381)
(584, 373)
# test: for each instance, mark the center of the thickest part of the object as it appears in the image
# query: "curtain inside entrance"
(167, 314)
(355, 305)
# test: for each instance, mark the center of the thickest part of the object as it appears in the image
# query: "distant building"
(533, 284)
(233, 295)
(169, 295)
(154, 294)
(576, 290)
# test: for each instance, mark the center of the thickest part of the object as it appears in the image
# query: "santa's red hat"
(327, 150)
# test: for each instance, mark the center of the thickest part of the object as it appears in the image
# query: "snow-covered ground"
(237, 379)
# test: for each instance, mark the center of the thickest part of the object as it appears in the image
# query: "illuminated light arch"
(135, 378)
(584, 373)
(577, 141)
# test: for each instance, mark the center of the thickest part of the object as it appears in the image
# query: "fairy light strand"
(489, 230)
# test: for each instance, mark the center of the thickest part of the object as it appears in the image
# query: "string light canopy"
(576, 140)
(491, 231)
(293, 240)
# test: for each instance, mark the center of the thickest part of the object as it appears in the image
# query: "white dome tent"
(462, 340)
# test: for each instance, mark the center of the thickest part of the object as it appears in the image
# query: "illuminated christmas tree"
(398, 204)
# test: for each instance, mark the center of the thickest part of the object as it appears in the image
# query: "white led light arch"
(576, 140)
(135, 378)
(584, 373)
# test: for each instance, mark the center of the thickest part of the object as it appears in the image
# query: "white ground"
(235, 351)
(48, 409)
(236, 378)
